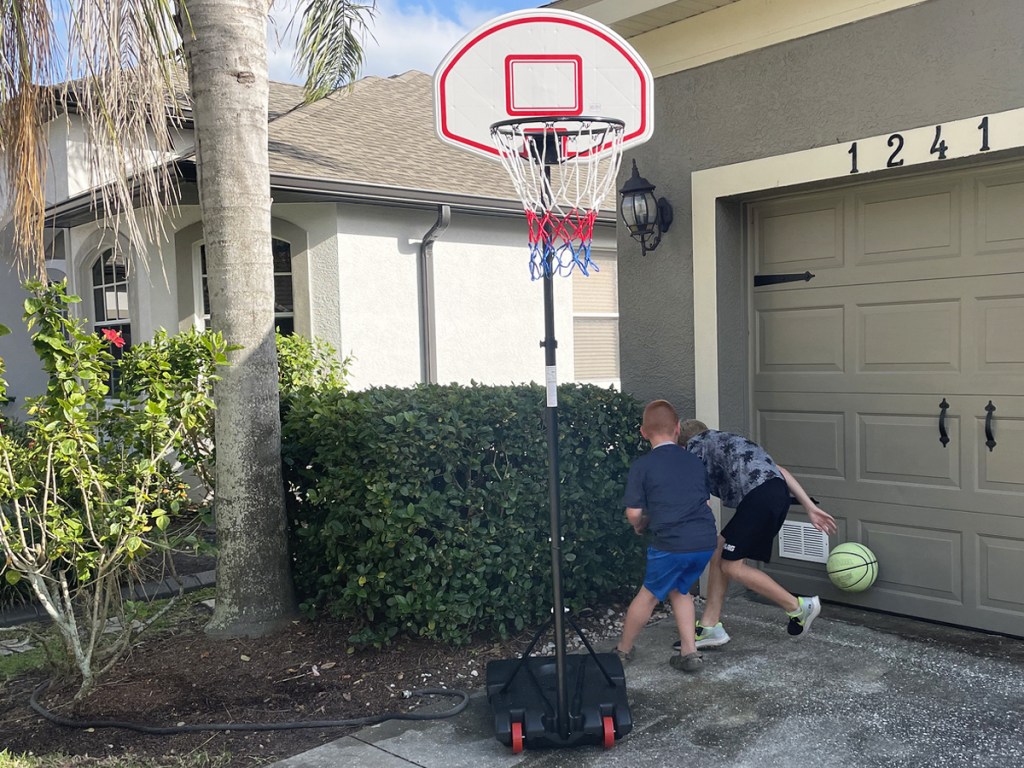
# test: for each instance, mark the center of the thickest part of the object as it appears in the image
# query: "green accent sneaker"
(708, 637)
(800, 624)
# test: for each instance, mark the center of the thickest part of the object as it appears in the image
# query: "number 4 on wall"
(939, 144)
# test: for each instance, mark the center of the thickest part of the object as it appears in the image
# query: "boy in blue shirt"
(667, 495)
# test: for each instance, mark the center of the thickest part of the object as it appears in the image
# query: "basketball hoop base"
(522, 694)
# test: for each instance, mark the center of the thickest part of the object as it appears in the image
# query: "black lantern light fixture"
(646, 217)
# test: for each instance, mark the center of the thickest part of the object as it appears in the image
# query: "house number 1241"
(939, 148)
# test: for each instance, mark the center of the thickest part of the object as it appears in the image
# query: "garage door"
(892, 383)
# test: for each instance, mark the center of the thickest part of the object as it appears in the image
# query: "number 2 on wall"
(896, 140)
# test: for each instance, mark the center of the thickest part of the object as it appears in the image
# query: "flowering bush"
(88, 489)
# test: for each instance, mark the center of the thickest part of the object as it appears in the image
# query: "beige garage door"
(892, 384)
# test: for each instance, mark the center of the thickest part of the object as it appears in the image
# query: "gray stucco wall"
(938, 61)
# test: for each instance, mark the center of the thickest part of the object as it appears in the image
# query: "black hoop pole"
(551, 423)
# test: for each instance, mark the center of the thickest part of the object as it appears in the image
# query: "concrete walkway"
(863, 689)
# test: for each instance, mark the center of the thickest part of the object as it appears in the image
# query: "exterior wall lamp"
(646, 217)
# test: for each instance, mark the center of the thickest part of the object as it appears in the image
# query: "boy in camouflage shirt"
(744, 476)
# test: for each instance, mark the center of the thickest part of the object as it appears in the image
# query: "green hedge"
(425, 511)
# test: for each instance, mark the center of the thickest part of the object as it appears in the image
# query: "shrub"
(303, 362)
(86, 488)
(425, 511)
(179, 371)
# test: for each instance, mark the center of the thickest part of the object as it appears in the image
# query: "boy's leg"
(682, 609)
(637, 615)
(758, 581)
(718, 584)
(750, 533)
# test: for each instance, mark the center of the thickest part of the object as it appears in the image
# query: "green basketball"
(852, 567)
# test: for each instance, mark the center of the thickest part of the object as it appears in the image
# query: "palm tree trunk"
(226, 50)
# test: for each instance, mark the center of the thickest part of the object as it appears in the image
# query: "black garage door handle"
(943, 437)
(990, 441)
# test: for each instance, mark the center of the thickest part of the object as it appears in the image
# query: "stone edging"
(155, 590)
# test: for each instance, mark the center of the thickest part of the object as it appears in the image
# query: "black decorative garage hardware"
(990, 440)
(775, 279)
(943, 435)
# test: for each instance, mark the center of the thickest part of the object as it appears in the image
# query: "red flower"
(114, 337)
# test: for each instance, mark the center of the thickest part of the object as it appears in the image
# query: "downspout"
(425, 278)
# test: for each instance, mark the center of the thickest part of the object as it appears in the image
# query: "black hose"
(165, 731)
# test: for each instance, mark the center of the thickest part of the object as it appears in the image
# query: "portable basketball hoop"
(526, 89)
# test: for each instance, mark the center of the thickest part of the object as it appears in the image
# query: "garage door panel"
(1002, 468)
(902, 449)
(806, 442)
(919, 561)
(1001, 560)
(1000, 226)
(882, 231)
(909, 336)
(795, 236)
(1000, 334)
(799, 340)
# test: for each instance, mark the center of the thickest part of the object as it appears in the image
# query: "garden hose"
(165, 731)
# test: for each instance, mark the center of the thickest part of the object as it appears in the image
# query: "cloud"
(405, 35)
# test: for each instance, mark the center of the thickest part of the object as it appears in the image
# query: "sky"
(406, 34)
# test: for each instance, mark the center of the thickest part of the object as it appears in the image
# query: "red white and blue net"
(563, 169)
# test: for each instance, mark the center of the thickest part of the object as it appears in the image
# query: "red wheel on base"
(517, 738)
(609, 732)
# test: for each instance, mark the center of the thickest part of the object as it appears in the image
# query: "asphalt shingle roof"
(379, 131)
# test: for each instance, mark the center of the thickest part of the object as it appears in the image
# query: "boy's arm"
(820, 519)
(637, 519)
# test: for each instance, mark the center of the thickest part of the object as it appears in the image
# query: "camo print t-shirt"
(735, 465)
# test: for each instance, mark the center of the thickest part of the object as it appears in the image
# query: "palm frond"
(330, 44)
(129, 93)
(26, 54)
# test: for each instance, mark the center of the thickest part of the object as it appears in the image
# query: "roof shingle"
(378, 131)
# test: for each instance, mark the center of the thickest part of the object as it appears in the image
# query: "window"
(595, 305)
(284, 302)
(110, 303)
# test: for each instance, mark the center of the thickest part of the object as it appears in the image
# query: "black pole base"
(523, 695)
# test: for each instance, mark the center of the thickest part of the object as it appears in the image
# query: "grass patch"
(197, 759)
(19, 664)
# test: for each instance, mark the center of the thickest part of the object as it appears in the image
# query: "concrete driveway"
(862, 689)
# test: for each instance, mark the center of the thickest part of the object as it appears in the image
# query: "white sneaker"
(711, 637)
(708, 637)
(800, 624)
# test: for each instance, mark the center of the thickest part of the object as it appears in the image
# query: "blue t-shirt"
(671, 487)
(736, 465)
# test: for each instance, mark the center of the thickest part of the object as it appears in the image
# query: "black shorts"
(757, 522)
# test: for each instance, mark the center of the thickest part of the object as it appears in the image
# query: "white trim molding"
(748, 25)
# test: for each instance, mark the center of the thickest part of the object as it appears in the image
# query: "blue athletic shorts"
(674, 570)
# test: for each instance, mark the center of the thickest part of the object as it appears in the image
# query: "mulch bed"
(303, 673)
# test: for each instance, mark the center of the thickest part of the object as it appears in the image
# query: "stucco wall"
(934, 62)
(489, 314)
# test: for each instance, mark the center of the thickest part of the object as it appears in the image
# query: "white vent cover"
(802, 541)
